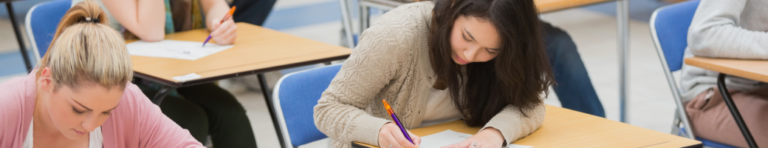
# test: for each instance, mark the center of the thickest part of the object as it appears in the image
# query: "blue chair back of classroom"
(41, 22)
(669, 28)
(295, 97)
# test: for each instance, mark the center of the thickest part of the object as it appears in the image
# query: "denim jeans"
(573, 87)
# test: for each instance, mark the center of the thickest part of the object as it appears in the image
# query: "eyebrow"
(473, 38)
(89, 109)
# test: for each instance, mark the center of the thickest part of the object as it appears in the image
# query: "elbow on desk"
(151, 37)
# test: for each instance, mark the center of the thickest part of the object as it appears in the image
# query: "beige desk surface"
(256, 50)
(567, 128)
(545, 6)
(751, 69)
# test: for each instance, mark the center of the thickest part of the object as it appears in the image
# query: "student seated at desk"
(480, 60)
(81, 96)
(727, 29)
(204, 109)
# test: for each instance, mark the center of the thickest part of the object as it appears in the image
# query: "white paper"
(187, 77)
(175, 49)
(449, 137)
(518, 146)
(444, 138)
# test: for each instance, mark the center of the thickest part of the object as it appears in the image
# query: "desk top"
(750, 69)
(567, 128)
(256, 50)
(545, 6)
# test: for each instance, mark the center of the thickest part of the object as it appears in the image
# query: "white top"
(440, 108)
(95, 138)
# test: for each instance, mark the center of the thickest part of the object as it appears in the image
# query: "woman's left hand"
(223, 33)
(487, 138)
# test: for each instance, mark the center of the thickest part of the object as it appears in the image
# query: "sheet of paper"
(175, 49)
(518, 146)
(449, 137)
(444, 138)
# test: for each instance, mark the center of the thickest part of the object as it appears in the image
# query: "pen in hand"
(397, 121)
(226, 17)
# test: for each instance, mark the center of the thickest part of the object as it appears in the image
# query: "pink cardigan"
(135, 123)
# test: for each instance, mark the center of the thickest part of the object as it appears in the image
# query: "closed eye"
(491, 51)
(465, 37)
(77, 111)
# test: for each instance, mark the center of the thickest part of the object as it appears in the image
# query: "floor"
(593, 28)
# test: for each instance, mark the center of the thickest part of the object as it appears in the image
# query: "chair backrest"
(294, 99)
(669, 26)
(41, 23)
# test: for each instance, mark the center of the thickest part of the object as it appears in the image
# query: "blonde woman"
(204, 109)
(80, 95)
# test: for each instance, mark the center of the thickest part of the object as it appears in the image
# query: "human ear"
(45, 81)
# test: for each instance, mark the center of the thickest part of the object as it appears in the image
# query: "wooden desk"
(256, 50)
(567, 128)
(750, 69)
(545, 6)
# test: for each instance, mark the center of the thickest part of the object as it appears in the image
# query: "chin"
(72, 135)
(457, 62)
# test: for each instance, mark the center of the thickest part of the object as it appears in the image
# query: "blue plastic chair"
(41, 22)
(294, 99)
(669, 28)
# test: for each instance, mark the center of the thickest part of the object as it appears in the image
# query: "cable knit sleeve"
(514, 125)
(716, 31)
(383, 50)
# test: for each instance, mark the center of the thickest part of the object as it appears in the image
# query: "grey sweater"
(725, 29)
(392, 63)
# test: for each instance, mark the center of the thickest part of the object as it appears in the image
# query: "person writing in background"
(80, 95)
(480, 60)
(734, 29)
(204, 109)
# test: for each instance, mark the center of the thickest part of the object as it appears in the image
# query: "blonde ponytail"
(86, 49)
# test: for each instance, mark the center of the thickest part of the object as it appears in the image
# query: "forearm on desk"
(716, 31)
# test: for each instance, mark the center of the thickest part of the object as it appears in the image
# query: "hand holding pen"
(393, 135)
(223, 30)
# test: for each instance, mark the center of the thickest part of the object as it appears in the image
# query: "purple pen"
(397, 121)
(402, 128)
(206, 40)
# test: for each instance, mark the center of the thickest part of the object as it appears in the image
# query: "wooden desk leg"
(268, 100)
(160, 95)
(18, 36)
(734, 111)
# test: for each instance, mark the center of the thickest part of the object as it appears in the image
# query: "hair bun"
(87, 11)
(91, 20)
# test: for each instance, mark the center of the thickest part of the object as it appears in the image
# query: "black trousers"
(252, 11)
(207, 109)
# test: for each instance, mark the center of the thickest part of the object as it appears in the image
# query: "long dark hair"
(516, 76)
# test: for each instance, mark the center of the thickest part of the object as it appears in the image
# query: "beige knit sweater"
(391, 62)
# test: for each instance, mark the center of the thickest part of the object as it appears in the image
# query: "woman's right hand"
(390, 136)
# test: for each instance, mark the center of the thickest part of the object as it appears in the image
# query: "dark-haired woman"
(483, 61)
